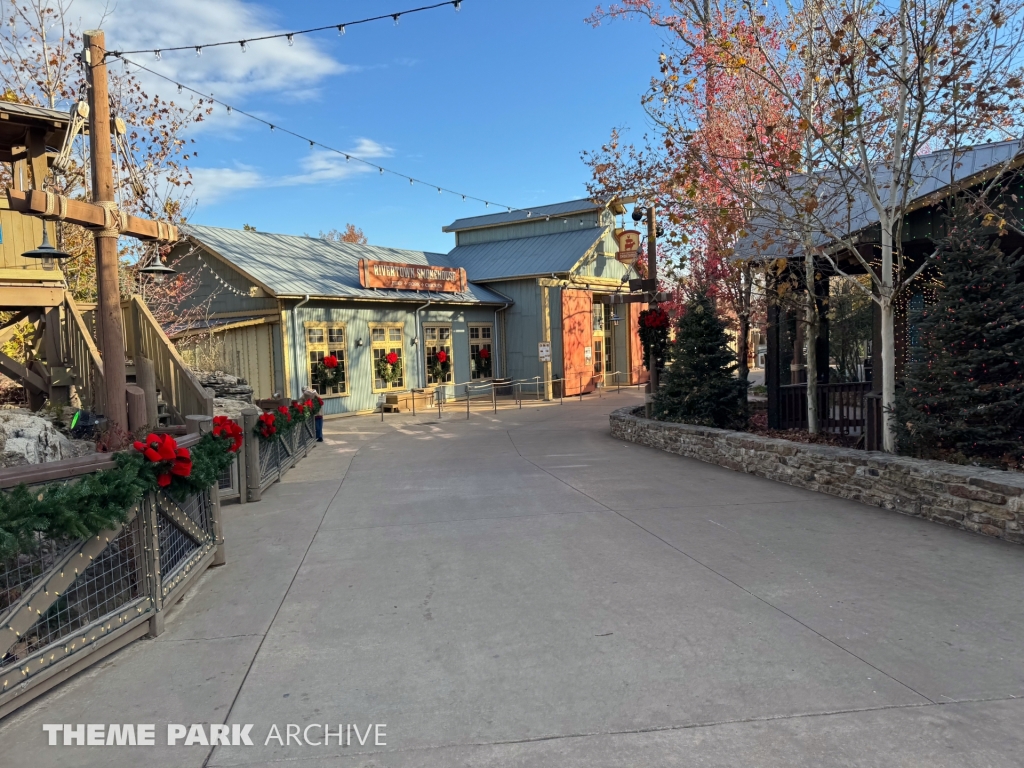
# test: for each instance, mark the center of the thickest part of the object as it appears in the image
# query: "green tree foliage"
(963, 396)
(699, 386)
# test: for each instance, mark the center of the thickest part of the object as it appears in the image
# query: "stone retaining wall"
(985, 501)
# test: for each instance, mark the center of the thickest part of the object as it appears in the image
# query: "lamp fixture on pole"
(45, 251)
(157, 270)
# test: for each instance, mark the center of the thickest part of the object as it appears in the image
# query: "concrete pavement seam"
(723, 576)
(640, 731)
(284, 597)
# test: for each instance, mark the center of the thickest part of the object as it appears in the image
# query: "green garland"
(74, 510)
(101, 500)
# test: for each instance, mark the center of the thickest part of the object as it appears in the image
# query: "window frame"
(447, 347)
(325, 348)
(480, 342)
(387, 345)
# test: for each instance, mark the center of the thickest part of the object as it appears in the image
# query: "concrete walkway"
(523, 590)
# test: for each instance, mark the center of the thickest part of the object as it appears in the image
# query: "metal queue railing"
(515, 387)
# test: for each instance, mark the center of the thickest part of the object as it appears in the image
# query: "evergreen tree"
(963, 393)
(699, 386)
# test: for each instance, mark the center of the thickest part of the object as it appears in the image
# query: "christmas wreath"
(389, 368)
(654, 324)
(328, 373)
(483, 362)
(441, 366)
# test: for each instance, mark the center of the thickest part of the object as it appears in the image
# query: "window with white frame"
(437, 351)
(325, 340)
(387, 339)
(481, 351)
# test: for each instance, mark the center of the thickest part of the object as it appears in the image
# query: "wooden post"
(652, 274)
(252, 455)
(136, 408)
(202, 425)
(145, 378)
(151, 535)
(545, 317)
(107, 283)
(240, 463)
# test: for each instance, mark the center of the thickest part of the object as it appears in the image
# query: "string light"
(314, 143)
(156, 55)
(244, 46)
(291, 39)
(290, 36)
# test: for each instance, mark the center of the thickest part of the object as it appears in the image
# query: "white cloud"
(226, 72)
(213, 184)
(320, 166)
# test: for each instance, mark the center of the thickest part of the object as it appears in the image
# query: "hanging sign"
(411, 277)
(629, 246)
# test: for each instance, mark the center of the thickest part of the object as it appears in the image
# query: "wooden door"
(577, 338)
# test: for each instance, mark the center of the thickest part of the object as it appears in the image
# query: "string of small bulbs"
(313, 143)
(289, 36)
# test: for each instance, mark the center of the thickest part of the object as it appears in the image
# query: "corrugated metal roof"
(525, 256)
(494, 219)
(839, 215)
(293, 266)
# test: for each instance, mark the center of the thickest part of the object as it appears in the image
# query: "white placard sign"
(544, 351)
(588, 354)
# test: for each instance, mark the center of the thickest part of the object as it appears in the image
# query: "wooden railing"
(181, 390)
(84, 357)
(841, 407)
(71, 603)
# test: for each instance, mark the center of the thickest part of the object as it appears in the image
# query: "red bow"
(392, 358)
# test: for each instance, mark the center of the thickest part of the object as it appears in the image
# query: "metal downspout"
(295, 345)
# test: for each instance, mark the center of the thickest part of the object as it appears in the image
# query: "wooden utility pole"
(652, 275)
(107, 282)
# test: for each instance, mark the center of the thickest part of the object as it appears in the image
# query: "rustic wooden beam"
(30, 296)
(15, 370)
(33, 203)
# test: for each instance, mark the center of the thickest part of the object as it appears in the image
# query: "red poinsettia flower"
(484, 353)
(163, 480)
(442, 356)
(283, 410)
(319, 400)
(330, 361)
(182, 465)
(392, 358)
(308, 405)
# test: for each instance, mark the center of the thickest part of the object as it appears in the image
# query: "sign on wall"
(544, 351)
(411, 277)
(629, 246)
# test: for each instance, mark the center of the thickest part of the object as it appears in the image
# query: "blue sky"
(497, 100)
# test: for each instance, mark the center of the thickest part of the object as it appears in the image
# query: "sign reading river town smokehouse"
(411, 277)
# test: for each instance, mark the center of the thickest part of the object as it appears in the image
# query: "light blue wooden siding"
(357, 319)
(530, 228)
(523, 325)
(210, 292)
(602, 262)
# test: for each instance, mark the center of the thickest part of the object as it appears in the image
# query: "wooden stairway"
(63, 359)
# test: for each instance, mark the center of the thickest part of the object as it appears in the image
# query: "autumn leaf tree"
(39, 40)
(351, 234)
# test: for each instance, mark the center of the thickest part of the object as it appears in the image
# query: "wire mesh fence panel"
(114, 578)
(269, 461)
(178, 545)
(175, 545)
(20, 572)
